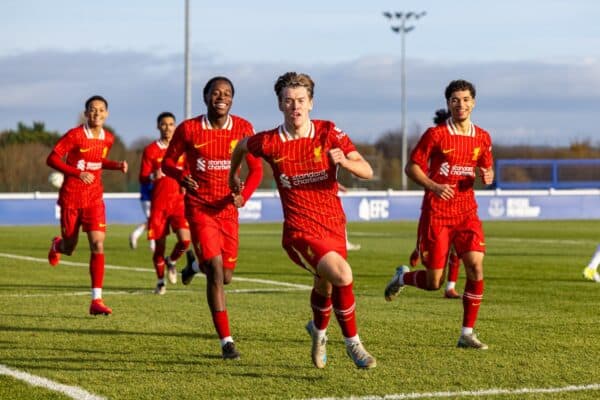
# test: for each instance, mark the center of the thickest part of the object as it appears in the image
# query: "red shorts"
(435, 239)
(307, 251)
(215, 236)
(88, 218)
(161, 219)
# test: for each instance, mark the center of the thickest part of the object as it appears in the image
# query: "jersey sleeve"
(422, 151)
(174, 151)
(256, 145)
(342, 140)
(146, 166)
(59, 151)
(486, 160)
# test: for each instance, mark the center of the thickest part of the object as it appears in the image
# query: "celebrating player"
(80, 198)
(445, 162)
(207, 142)
(305, 155)
(167, 209)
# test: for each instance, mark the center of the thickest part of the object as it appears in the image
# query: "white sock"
(138, 231)
(466, 331)
(450, 285)
(226, 340)
(352, 340)
(96, 293)
(595, 260)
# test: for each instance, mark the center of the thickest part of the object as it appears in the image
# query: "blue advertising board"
(124, 208)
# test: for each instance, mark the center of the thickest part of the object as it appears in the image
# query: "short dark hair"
(294, 79)
(165, 114)
(211, 81)
(94, 98)
(459, 84)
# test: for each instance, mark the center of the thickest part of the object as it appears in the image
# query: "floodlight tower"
(399, 25)
(187, 102)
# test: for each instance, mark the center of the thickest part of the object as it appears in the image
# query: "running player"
(85, 148)
(207, 142)
(305, 155)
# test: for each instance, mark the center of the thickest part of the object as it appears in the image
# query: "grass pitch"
(539, 317)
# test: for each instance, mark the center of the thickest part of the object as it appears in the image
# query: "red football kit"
(210, 210)
(314, 221)
(82, 203)
(167, 208)
(451, 157)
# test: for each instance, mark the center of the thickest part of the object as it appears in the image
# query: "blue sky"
(536, 65)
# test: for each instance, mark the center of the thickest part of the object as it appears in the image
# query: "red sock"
(453, 268)
(416, 278)
(321, 307)
(471, 301)
(221, 322)
(342, 298)
(158, 258)
(97, 270)
(179, 249)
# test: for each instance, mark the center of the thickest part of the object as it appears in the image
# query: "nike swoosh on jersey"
(280, 159)
(447, 151)
(84, 150)
(197, 146)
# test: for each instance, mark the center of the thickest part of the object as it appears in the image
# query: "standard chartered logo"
(81, 165)
(285, 181)
(445, 169)
(201, 164)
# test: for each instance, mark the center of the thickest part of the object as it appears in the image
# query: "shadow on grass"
(105, 332)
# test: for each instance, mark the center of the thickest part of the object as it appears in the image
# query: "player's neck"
(298, 131)
(96, 131)
(463, 126)
(217, 121)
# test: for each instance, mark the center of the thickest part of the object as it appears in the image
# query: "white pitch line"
(147, 270)
(468, 393)
(73, 392)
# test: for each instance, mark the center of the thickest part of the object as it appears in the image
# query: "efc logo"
(104, 152)
(373, 209)
(232, 145)
(201, 165)
(476, 151)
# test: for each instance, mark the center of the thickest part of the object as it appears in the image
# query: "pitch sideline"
(468, 393)
(73, 392)
(137, 269)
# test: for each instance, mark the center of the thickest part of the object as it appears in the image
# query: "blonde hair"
(293, 79)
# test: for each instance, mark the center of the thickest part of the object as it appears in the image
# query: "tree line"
(23, 153)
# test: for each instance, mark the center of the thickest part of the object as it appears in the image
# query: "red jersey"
(306, 176)
(166, 190)
(450, 157)
(84, 152)
(208, 159)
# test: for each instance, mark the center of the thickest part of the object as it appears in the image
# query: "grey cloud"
(518, 102)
